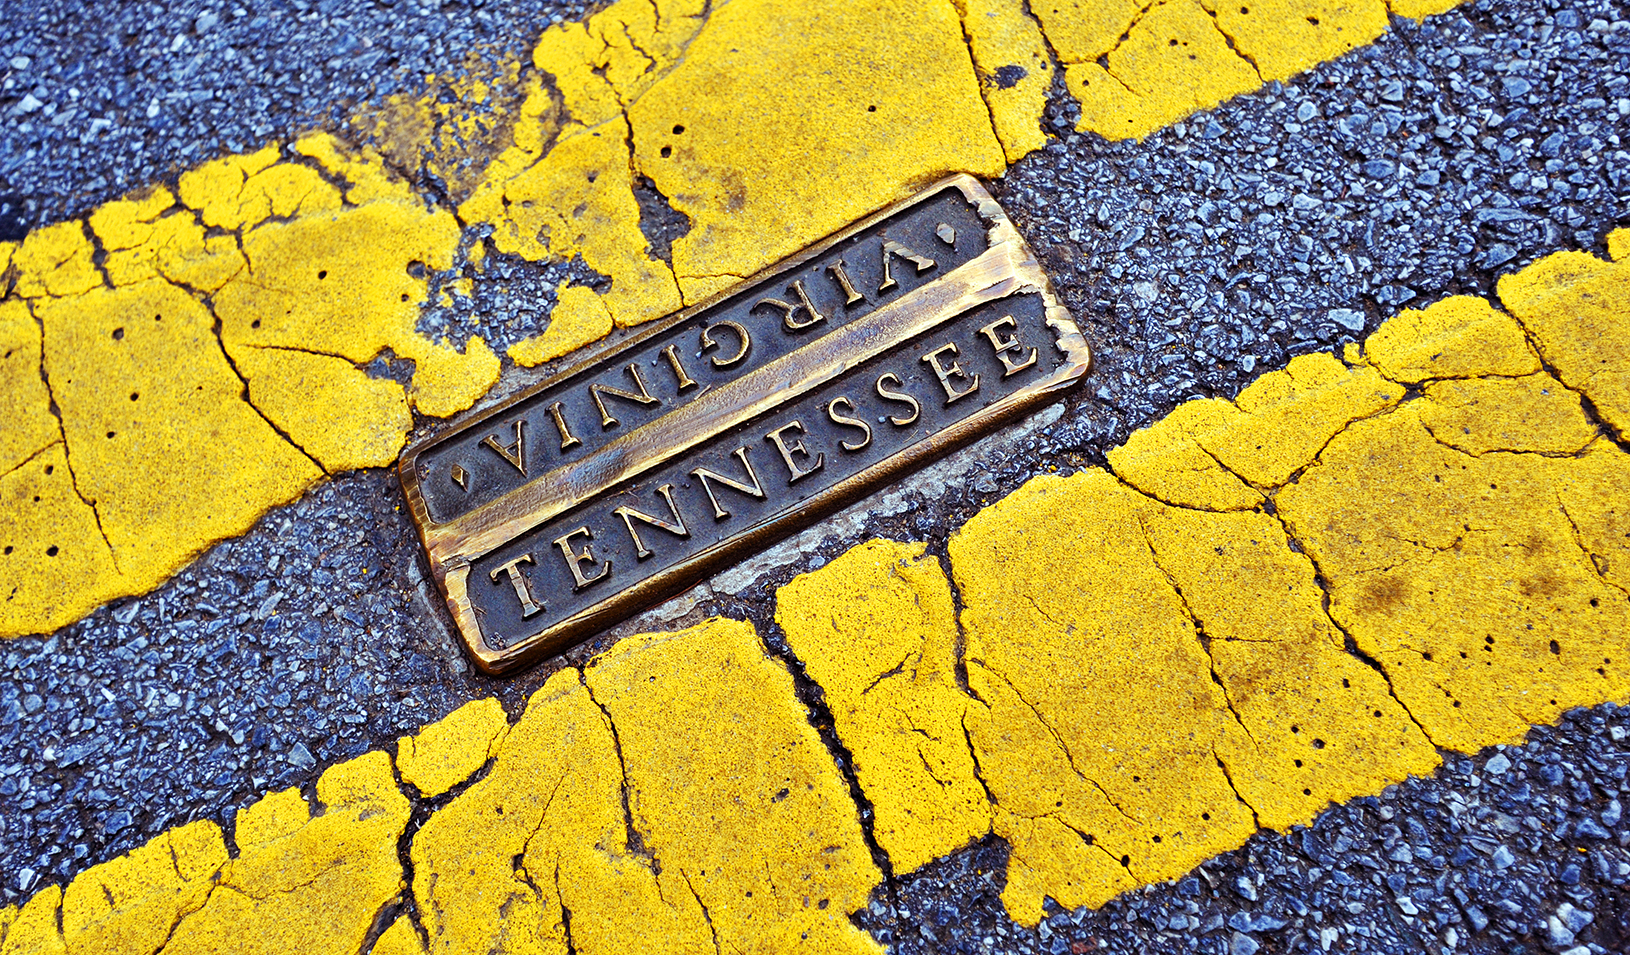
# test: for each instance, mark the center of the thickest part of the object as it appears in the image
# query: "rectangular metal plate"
(715, 432)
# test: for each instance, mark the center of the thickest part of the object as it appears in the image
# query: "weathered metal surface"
(713, 433)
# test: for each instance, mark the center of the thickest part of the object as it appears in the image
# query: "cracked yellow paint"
(1103, 723)
(877, 630)
(1015, 70)
(578, 201)
(537, 856)
(1167, 462)
(766, 125)
(306, 882)
(719, 754)
(1320, 726)
(1480, 540)
(579, 317)
(143, 243)
(235, 192)
(129, 905)
(449, 751)
(1533, 413)
(56, 260)
(1284, 37)
(1173, 61)
(298, 392)
(1458, 337)
(785, 122)
(137, 372)
(1577, 308)
(399, 939)
(24, 401)
(54, 563)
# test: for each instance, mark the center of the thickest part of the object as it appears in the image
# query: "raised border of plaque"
(657, 460)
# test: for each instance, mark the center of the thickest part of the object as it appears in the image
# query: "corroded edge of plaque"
(1006, 268)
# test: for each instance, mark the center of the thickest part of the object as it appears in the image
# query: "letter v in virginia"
(715, 432)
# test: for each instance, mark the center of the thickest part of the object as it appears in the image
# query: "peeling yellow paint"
(130, 904)
(447, 752)
(1173, 61)
(1284, 37)
(1015, 70)
(876, 629)
(579, 317)
(1577, 308)
(578, 201)
(306, 882)
(784, 123)
(719, 754)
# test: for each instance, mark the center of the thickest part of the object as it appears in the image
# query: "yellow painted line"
(210, 367)
(1261, 607)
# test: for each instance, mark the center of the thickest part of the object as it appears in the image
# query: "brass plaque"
(721, 429)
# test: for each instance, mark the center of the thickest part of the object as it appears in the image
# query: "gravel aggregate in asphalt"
(102, 98)
(1288, 221)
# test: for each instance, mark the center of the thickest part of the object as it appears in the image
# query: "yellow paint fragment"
(1320, 725)
(1166, 462)
(1015, 70)
(1592, 498)
(54, 564)
(159, 437)
(1532, 413)
(1458, 337)
(1577, 308)
(447, 752)
(578, 318)
(718, 755)
(34, 930)
(128, 905)
(578, 201)
(1286, 416)
(1463, 575)
(350, 285)
(785, 122)
(877, 630)
(1173, 61)
(1285, 37)
(25, 405)
(1618, 246)
(1101, 740)
(303, 394)
(308, 883)
(538, 852)
(1083, 30)
(446, 382)
(56, 261)
(238, 191)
